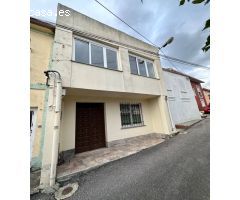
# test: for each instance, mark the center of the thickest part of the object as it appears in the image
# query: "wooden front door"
(90, 127)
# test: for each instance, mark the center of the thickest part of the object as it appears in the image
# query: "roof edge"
(42, 23)
(183, 74)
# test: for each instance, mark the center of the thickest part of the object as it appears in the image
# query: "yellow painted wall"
(41, 47)
(113, 128)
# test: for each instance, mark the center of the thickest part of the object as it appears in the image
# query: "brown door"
(90, 128)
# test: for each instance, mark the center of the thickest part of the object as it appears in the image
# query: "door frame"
(33, 131)
(104, 118)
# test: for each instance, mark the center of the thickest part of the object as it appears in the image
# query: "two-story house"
(41, 41)
(111, 85)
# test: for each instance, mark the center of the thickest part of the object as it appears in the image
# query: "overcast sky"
(157, 20)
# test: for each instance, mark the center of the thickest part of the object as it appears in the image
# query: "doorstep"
(86, 161)
(187, 125)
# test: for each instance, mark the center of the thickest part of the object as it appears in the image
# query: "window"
(95, 54)
(150, 70)
(111, 59)
(141, 66)
(133, 65)
(82, 51)
(131, 115)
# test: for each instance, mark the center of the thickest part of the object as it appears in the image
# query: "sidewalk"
(188, 124)
(92, 159)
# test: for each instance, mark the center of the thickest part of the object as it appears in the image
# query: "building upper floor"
(91, 55)
(41, 41)
(178, 86)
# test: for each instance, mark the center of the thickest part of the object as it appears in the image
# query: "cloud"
(157, 20)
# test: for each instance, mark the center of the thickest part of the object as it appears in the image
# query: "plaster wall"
(85, 76)
(40, 53)
(113, 130)
(181, 99)
(41, 46)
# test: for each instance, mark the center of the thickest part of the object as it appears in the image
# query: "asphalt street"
(177, 169)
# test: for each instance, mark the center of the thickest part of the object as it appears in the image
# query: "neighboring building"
(198, 91)
(181, 98)
(41, 40)
(206, 93)
(113, 89)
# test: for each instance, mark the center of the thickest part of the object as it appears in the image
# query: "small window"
(133, 65)
(142, 68)
(111, 59)
(131, 115)
(125, 114)
(82, 51)
(97, 55)
(150, 70)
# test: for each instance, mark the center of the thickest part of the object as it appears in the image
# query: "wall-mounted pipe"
(170, 114)
(54, 79)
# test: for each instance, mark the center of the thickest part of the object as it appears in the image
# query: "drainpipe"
(170, 114)
(57, 99)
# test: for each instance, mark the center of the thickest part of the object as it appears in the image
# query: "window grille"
(131, 115)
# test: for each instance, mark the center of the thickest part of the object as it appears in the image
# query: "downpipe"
(55, 146)
(57, 100)
(170, 115)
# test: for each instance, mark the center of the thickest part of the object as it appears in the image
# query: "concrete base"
(66, 156)
(132, 139)
(168, 136)
(83, 162)
(188, 124)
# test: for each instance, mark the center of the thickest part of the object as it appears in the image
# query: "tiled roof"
(180, 73)
(44, 23)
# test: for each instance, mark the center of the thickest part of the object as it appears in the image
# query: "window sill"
(145, 76)
(136, 126)
(116, 70)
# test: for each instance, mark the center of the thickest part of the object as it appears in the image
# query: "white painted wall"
(181, 98)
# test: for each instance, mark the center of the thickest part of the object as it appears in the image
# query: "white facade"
(114, 90)
(182, 103)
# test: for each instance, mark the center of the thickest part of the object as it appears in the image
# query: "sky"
(157, 20)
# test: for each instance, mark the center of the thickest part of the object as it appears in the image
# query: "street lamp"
(169, 41)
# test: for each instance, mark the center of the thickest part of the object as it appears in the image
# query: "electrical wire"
(170, 61)
(126, 23)
(163, 56)
(184, 62)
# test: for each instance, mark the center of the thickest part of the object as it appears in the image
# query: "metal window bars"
(131, 115)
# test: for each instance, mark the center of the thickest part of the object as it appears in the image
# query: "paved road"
(177, 169)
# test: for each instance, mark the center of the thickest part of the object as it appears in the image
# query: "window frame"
(145, 64)
(132, 125)
(90, 42)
